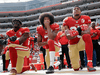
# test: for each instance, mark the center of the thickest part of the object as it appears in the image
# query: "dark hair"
(17, 20)
(77, 6)
(43, 15)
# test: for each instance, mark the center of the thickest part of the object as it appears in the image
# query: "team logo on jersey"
(20, 33)
(82, 20)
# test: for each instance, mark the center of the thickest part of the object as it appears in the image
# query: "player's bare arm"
(39, 41)
(23, 38)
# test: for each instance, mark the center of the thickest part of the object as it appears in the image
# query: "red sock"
(51, 45)
(25, 68)
(7, 63)
(88, 46)
(13, 56)
(27, 61)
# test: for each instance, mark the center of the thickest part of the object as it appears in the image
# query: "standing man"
(47, 37)
(64, 46)
(78, 34)
(95, 38)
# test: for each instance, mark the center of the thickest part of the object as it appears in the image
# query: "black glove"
(79, 30)
(13, 38)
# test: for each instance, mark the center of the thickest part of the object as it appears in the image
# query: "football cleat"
(50, 70)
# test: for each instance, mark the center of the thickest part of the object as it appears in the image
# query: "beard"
(76, 14)
(16, 27)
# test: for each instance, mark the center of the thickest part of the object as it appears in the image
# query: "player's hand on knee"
(71, 33)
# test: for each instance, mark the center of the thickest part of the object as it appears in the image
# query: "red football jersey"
(73, 24)
(96, 31)
(19, 33)
(43, 32)
(63, 40)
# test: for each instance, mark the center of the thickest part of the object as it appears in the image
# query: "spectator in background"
(44, 53)
(33, 35)
(4, 57)
(64, 46)
(95, 38)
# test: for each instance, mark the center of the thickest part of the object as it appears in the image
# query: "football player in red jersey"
(78, 34)
(47, 37)
(19, 44)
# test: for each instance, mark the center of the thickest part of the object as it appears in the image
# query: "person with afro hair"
(47, 37)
